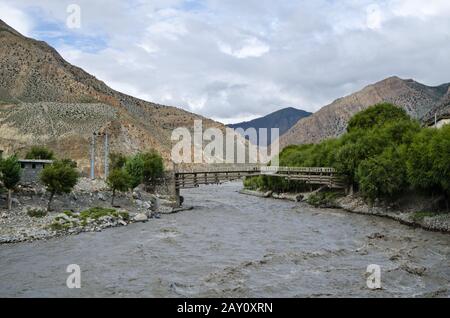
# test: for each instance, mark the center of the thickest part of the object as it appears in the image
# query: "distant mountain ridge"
(283, 119)
(417, 99)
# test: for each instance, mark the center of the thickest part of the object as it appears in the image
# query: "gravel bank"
(354, 204)
(29, 221)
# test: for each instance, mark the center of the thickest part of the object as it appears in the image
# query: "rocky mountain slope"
(331, 121)
(441, 110)
(283, 119)
(46, 100)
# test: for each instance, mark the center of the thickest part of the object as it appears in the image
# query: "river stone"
(141, 217)
(147, 205)
(101, 197)
(64, 217)
(137, 195)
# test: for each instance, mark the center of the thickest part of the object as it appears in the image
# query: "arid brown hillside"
(331, 121)
(46, 100)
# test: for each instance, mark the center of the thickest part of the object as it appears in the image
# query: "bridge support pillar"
(175, 188)
(178, 201)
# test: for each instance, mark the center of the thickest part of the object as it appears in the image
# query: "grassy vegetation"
(36, 213)
(56, 226)
(324, 199)
(420, 216)
(5, 101)
(82, 219)
(97, 213)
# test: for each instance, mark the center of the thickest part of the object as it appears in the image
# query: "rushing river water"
(233, 245)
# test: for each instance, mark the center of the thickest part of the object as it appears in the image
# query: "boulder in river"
(141, 217)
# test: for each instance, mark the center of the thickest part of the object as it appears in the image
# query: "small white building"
(439, 120)
(442, 122)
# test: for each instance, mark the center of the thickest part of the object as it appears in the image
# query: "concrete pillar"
(93, 157)
(175, 189)
(106, 156)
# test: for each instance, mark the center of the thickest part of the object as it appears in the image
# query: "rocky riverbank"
(86, 209)
(438, 222)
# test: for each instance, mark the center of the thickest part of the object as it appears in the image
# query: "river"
(232, 245)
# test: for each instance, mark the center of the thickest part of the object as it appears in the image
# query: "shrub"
(153, 168)
(10, 175)
(36, 213)
(383, 176)
(145, 168)
(324, 199)
(117, 161)
(420, 161)
(135, 169)
(59, 177)
(41, 153)
(376, 116)
(118, 180)
(440, 153)
(420, 216)
(98, 212)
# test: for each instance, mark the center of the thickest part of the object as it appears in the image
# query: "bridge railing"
(223, 169)
(273, 170)
(257, 168)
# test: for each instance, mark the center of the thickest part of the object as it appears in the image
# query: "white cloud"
(251, 48)
(239, 59)
(421, 9)
(374, 17)
(16, 19)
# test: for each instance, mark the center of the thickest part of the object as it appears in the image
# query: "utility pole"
(93, 144)
(106, 156)
(93, 157)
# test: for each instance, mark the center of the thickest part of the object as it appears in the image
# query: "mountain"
(283, 119)
(46, 100)
(440, 111)
(331, 121)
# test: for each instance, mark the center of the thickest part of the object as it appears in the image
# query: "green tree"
(375, 116)
(420, 161)
(40, 153)
(383, 176)
(59, 177)
(10, 175)
(153, 168)
(145, 168)
(118, 180)
(117, 161)
(440, 154)
(135, 169)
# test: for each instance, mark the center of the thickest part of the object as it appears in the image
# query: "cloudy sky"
(239, 59)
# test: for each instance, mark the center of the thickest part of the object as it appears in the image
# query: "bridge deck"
(310, 175)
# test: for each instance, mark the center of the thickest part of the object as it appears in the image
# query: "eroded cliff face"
(331, 121)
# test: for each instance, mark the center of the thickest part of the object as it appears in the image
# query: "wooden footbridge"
(313, 176)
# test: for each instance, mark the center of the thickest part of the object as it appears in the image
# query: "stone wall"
(30, 172)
